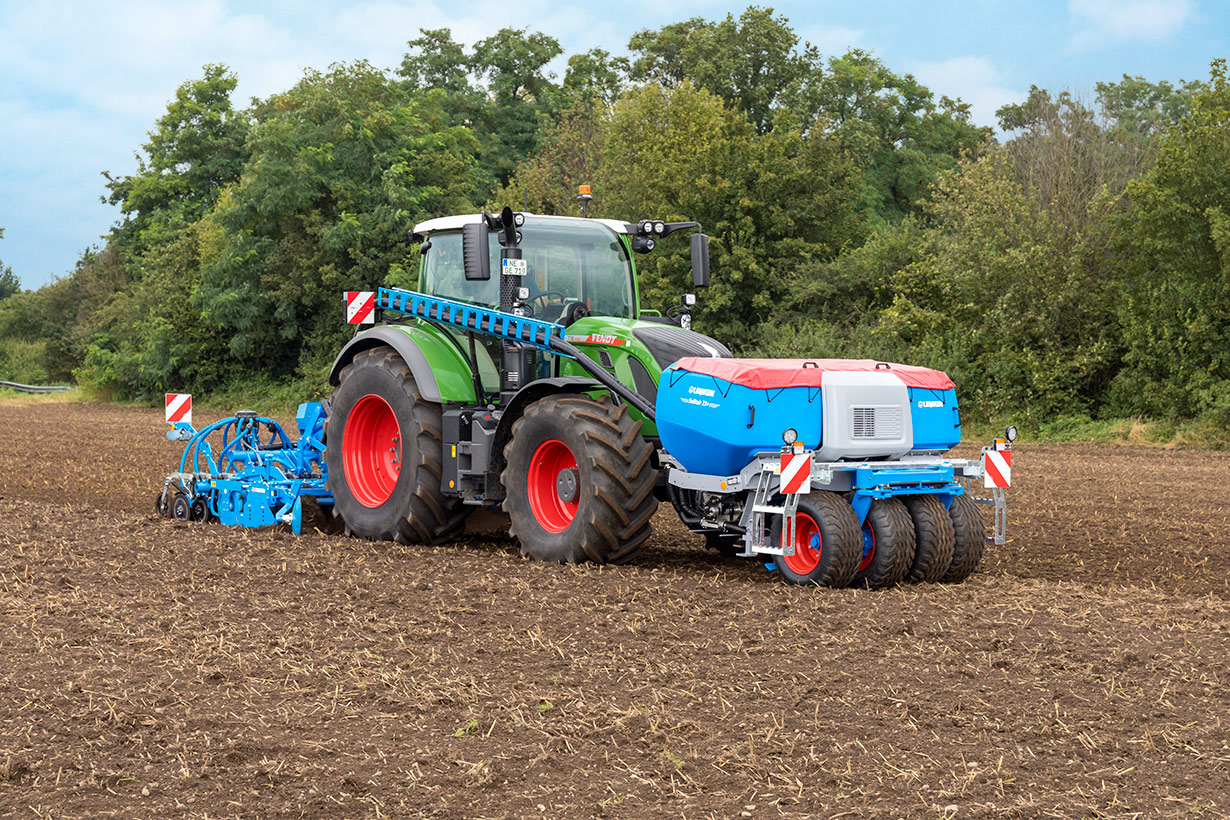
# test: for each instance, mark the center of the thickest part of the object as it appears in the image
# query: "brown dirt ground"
(153, 668)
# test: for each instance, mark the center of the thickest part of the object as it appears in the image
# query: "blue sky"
(81, 83)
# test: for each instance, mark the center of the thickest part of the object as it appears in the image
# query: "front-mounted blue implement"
(245, 471)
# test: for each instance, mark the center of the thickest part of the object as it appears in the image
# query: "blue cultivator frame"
(244, 471)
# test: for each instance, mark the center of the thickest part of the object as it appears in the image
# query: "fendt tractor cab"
(525, 376)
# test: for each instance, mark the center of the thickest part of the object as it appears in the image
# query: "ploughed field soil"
(151, 668)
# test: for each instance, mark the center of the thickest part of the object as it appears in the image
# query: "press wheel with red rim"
(385, 452)
(826, 541)
(890, 531)
(579, 481)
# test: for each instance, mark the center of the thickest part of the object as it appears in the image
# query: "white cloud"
(974, 79)
(83, 83)
(1098, 22)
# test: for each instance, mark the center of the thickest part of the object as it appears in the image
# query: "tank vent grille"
(876, 422)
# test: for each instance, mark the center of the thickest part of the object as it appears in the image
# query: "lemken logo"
(930, 404)
(701, 391)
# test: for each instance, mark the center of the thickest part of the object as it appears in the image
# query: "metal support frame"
(757, 538)
(997, 500)
(912, 475)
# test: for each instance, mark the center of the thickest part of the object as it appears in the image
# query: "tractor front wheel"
(579, 481)
(384, 454)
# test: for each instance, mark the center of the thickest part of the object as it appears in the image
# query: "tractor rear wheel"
(827, 543)
(579, 481)
(971, 539)
(888, 536)
(384, 454)
(934, 538)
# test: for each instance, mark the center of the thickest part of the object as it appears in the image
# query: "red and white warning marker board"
(361, 307)
(796, 473)
(179, 407)
(997, 469)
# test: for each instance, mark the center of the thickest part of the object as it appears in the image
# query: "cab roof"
(454, 223)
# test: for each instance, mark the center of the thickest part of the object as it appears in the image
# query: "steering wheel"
(543, 297)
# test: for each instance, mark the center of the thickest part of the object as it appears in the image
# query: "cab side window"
(444, 274)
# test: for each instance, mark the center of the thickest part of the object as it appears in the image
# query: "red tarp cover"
(771, 374)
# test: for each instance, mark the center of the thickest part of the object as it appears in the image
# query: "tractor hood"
(669, 343)
(666, 343)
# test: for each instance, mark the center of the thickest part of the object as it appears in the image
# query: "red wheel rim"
(808, 545)
(869, 547)
(550, 460)
(371, 450)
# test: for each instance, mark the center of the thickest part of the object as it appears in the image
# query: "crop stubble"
(160, 669)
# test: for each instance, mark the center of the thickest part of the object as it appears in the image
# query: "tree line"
(1078, 263)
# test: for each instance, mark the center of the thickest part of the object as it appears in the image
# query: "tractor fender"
(532, 392)
(419, 347)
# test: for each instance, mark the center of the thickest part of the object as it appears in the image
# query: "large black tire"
(410, 508)
(933, 536)
(893, 548)
(971, 538)
(579, 481)
(828, 542)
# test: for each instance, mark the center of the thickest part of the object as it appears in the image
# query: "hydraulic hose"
(600, 373)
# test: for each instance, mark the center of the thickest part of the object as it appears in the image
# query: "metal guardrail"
(34, 388)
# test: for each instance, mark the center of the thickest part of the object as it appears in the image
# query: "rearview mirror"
(474, 251)
(700, 260)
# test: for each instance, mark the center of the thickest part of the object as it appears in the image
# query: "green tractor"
(521, 377)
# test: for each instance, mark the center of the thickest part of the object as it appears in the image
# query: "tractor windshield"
(568, 261)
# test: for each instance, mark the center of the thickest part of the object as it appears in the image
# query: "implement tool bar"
(546, 336)
(466, 316)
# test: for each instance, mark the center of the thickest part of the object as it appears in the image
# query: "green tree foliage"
(1009, 300)
(768, 200)
(596, 75)
(9, 283)
(59, 316)
(1079, 267)
(894, 128)
(568, 156)
(523, 96)
(341, 168)
(437, 62)
(196, 148)
(1174, 242)
(501, 90)
(1140, 109)
(753, 62)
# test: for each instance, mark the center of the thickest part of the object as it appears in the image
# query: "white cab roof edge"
(454, 223)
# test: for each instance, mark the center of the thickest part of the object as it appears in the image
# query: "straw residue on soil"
(161, 669)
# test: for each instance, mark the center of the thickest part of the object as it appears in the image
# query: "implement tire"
(384, 455)
(579, 481)
(934, 538)
(971, 538)
(892, 545)
(827, 544)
